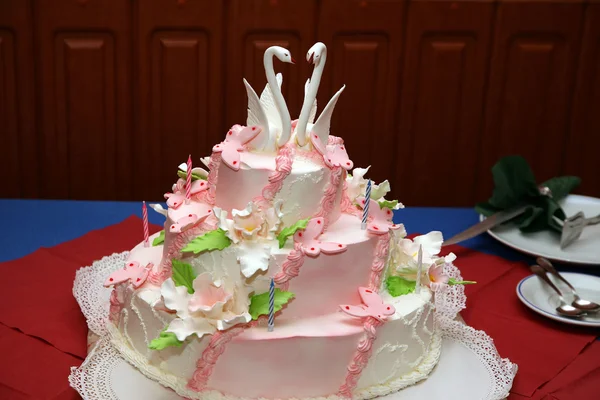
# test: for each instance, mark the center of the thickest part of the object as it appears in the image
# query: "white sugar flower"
(357, 184)
(248, 222)
(357, 187)
(406, 253)
(225, 224)
(209, 309)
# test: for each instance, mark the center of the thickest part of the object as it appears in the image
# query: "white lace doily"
(469, 367)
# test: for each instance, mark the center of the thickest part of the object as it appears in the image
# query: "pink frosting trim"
(158, 275)
(382, 250)
(364, 348)
(210, 355)
(361, 357)
(328, 202)
(283, 167)
(208, 196)
(115, 306)
(290, 267)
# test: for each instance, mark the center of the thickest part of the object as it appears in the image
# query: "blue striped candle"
(272, 306)
(366, 207)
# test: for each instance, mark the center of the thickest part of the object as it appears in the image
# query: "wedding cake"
(280, 272)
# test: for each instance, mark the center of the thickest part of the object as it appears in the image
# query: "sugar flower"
(405, 253)
(437, 280)
(208, 309)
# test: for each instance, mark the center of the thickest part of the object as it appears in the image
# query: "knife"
(486, 224)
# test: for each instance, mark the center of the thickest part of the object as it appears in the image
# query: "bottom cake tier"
(302, 358)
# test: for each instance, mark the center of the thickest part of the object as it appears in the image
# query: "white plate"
(585, 250)
(540, 297)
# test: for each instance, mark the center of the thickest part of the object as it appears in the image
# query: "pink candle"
(145, 218)
(188, 183)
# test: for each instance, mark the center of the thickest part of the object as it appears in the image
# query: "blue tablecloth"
(31, 224)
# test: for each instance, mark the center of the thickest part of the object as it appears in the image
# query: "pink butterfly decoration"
(372, 306)
(188, 221)
(381, 218)
(234, 142)
(132, 272)
(308, 239)
(175, 199)
(334, 155)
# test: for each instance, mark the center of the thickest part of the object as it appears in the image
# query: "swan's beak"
(293, 61)
(310, 58)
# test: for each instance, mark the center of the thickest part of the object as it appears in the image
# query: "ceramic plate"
(586, 250)
(540, 297)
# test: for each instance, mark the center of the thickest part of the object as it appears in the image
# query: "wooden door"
(536, 47)
(364, 41)
(19, 172)
(179, 88)
(83, 52)
(583, 145)
(445, 63)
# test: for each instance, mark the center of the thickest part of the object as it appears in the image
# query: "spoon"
(564, 309)
(578, 302)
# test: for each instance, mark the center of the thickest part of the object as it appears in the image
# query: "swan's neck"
(309, 99)
(284, 114)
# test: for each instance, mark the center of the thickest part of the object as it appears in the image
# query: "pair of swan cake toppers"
(270, 111)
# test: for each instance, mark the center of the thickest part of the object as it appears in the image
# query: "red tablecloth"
(43, 333)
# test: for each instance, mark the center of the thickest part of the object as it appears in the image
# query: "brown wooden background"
(102, 99)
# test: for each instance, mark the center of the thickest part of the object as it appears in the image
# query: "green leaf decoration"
(160, 239)
(398, 286)
(388, 204)
(259, 304)
(195, 176)
(516, 185)
(213, 240)
(183, 275)
(453, 281)
(164, 340)
(290, 230)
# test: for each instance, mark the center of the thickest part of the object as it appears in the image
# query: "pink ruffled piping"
(361, 357)
(210, 355)
(283, 167)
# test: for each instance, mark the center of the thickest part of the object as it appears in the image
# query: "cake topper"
(317, 54)
(270, 112)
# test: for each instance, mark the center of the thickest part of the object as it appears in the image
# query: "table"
(32, 224)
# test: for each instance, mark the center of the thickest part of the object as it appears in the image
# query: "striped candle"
(271, 325)
(188, 183)
(419, 270)
(366, 207)
(145, 219)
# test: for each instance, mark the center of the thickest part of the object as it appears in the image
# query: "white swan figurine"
(317, 54)
(270, 112)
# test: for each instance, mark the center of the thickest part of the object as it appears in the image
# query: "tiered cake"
(265, 283)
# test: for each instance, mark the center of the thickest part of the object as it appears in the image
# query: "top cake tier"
(299, 192)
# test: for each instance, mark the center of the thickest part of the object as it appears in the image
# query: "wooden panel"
(255, 26)
(180, 84)
(530, 89)
(447, 46)
(584, 141)
(84, 57)
(365, 39)
(19, 172)
(8, 116)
